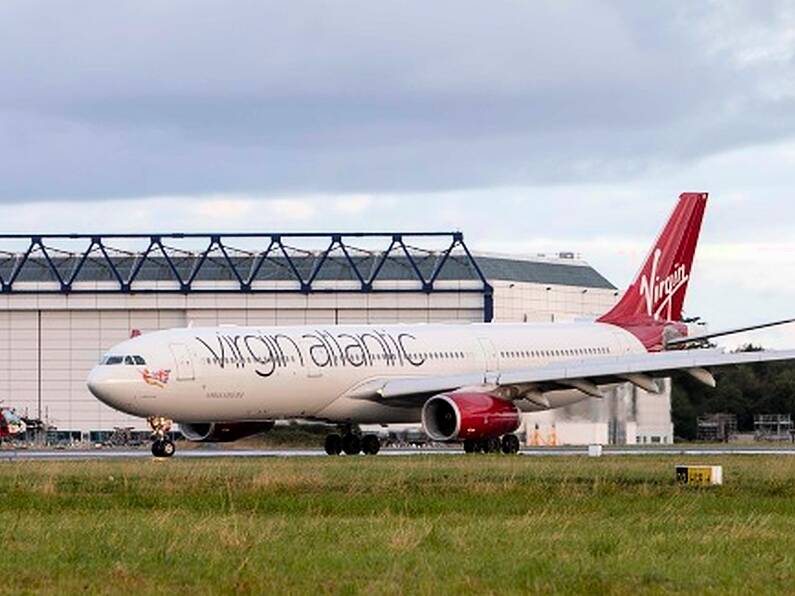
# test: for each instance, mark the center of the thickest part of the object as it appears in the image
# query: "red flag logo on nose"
(158, 378)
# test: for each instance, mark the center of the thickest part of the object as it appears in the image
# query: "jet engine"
(222, 432)
(463, 416)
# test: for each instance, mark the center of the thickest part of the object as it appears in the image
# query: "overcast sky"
(531, 126)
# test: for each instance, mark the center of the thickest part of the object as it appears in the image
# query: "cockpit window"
(139, 360)
(129, 360)
(110, 360)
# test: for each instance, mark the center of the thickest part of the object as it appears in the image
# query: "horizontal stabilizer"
(681, 341)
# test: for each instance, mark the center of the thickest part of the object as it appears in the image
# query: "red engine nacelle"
(460, 416)
(222, 432)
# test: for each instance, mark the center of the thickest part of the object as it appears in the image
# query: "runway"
(209, 453)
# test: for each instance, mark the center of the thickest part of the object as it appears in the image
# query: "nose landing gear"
(162, 447)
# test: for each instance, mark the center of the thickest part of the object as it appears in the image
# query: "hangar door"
(19, 361)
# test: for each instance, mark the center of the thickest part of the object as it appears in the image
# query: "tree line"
(745, 391)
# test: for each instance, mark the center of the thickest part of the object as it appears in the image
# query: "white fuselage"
(312, 372)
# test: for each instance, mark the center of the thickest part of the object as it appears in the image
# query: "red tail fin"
(658, 293)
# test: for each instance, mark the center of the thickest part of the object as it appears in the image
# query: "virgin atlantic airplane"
(465, 383)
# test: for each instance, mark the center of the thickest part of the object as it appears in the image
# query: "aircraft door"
(184, 362)
(313, 371)
(489, 355)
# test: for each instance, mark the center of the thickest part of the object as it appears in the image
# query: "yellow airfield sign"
(700, 475)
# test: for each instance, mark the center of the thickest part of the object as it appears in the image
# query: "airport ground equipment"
(717, 428)
(773, 427)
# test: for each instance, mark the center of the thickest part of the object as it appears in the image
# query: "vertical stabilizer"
(658, 292)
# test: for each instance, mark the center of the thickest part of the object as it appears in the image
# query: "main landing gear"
(162, 447)
(509, 445)
(352, 444)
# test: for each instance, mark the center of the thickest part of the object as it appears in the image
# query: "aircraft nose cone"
(112, 390)
(115, 387)
(99, 385)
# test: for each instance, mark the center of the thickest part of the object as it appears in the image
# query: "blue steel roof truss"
(97, 251)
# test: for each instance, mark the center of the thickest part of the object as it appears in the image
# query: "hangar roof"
(335, 268)
(561, 272)
(133, 262)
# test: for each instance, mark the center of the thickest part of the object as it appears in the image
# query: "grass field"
(427, 525)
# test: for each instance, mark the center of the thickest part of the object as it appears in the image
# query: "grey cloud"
(118, 99)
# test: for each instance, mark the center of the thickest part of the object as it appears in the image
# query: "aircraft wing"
(585, 375)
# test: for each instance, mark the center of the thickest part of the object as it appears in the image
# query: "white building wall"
(653, 416)
(19, 360)
(534, 303)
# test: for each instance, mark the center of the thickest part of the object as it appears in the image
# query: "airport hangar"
(66, 299)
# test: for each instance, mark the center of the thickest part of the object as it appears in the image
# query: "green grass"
(427, 525)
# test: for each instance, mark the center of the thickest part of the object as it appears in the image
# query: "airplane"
(465, 383)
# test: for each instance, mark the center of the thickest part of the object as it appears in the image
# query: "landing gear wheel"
(510, 444)
(371, 445)
(491, 445)
(163, 448)
(470, 446)
(333, 444)
(351, 445)
(168, 449)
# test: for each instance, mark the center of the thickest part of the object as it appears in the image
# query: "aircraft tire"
(371, 445)
(168, 449)
(333, 445)
(157, 448)
(470, 446)
(510, 445)
(351, 445)
(491, 445)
